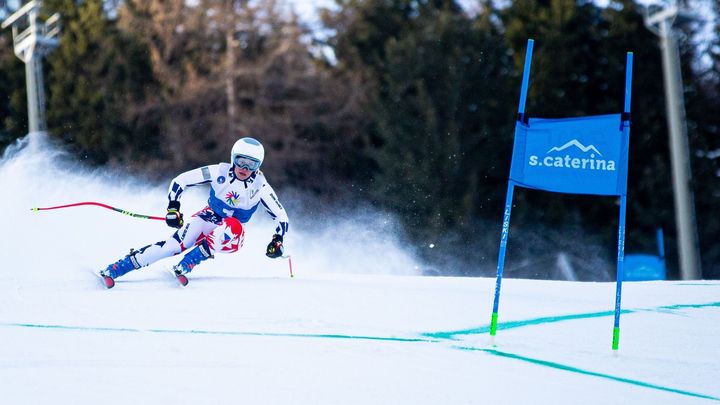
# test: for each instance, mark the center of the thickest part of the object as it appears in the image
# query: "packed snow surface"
(355, 325)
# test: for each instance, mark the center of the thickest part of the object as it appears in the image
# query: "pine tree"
(438, 87)
(13, 102)
(96, 76)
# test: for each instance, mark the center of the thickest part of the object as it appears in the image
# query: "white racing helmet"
(247, 153)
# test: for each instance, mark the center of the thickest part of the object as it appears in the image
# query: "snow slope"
(354, 326)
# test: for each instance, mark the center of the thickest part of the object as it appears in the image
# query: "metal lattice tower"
(33, 39)
(660, 20)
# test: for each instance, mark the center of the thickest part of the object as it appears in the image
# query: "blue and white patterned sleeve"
(273, 207)
(195, 177)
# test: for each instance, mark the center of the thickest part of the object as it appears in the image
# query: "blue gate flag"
(584, 155)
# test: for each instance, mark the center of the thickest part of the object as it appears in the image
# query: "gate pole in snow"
(586, 175)
(623, 199)
(509, 195)
(501, 256)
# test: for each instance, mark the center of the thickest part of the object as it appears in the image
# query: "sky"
(355, 325)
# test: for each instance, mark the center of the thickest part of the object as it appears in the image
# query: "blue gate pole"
(525, 80)
(509, 196)
(501, 255)
(620, 273)
(628, 81)
(623, 203)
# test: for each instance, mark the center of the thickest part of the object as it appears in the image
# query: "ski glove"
(275, 247)
(174, 218)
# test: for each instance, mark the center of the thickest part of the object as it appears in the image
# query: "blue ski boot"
(200, 253)
(119, 268)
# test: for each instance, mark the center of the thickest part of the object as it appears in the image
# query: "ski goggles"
(245, 162)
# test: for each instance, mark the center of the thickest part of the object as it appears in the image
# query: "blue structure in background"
(645, 267)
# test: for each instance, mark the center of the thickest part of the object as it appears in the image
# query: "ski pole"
(132, 214)
(289, 263)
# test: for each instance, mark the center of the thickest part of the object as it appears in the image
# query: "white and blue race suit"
(229, 197)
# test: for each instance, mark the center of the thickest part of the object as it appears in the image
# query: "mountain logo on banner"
(579, 158)
(578, 145)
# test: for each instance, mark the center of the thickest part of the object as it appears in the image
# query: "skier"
(236, 191)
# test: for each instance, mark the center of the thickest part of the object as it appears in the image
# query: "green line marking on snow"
(213, 332)
(701, 284)
(453, 335)
(434, 337)
(425, 337)
(693, 306)
(586, 372)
